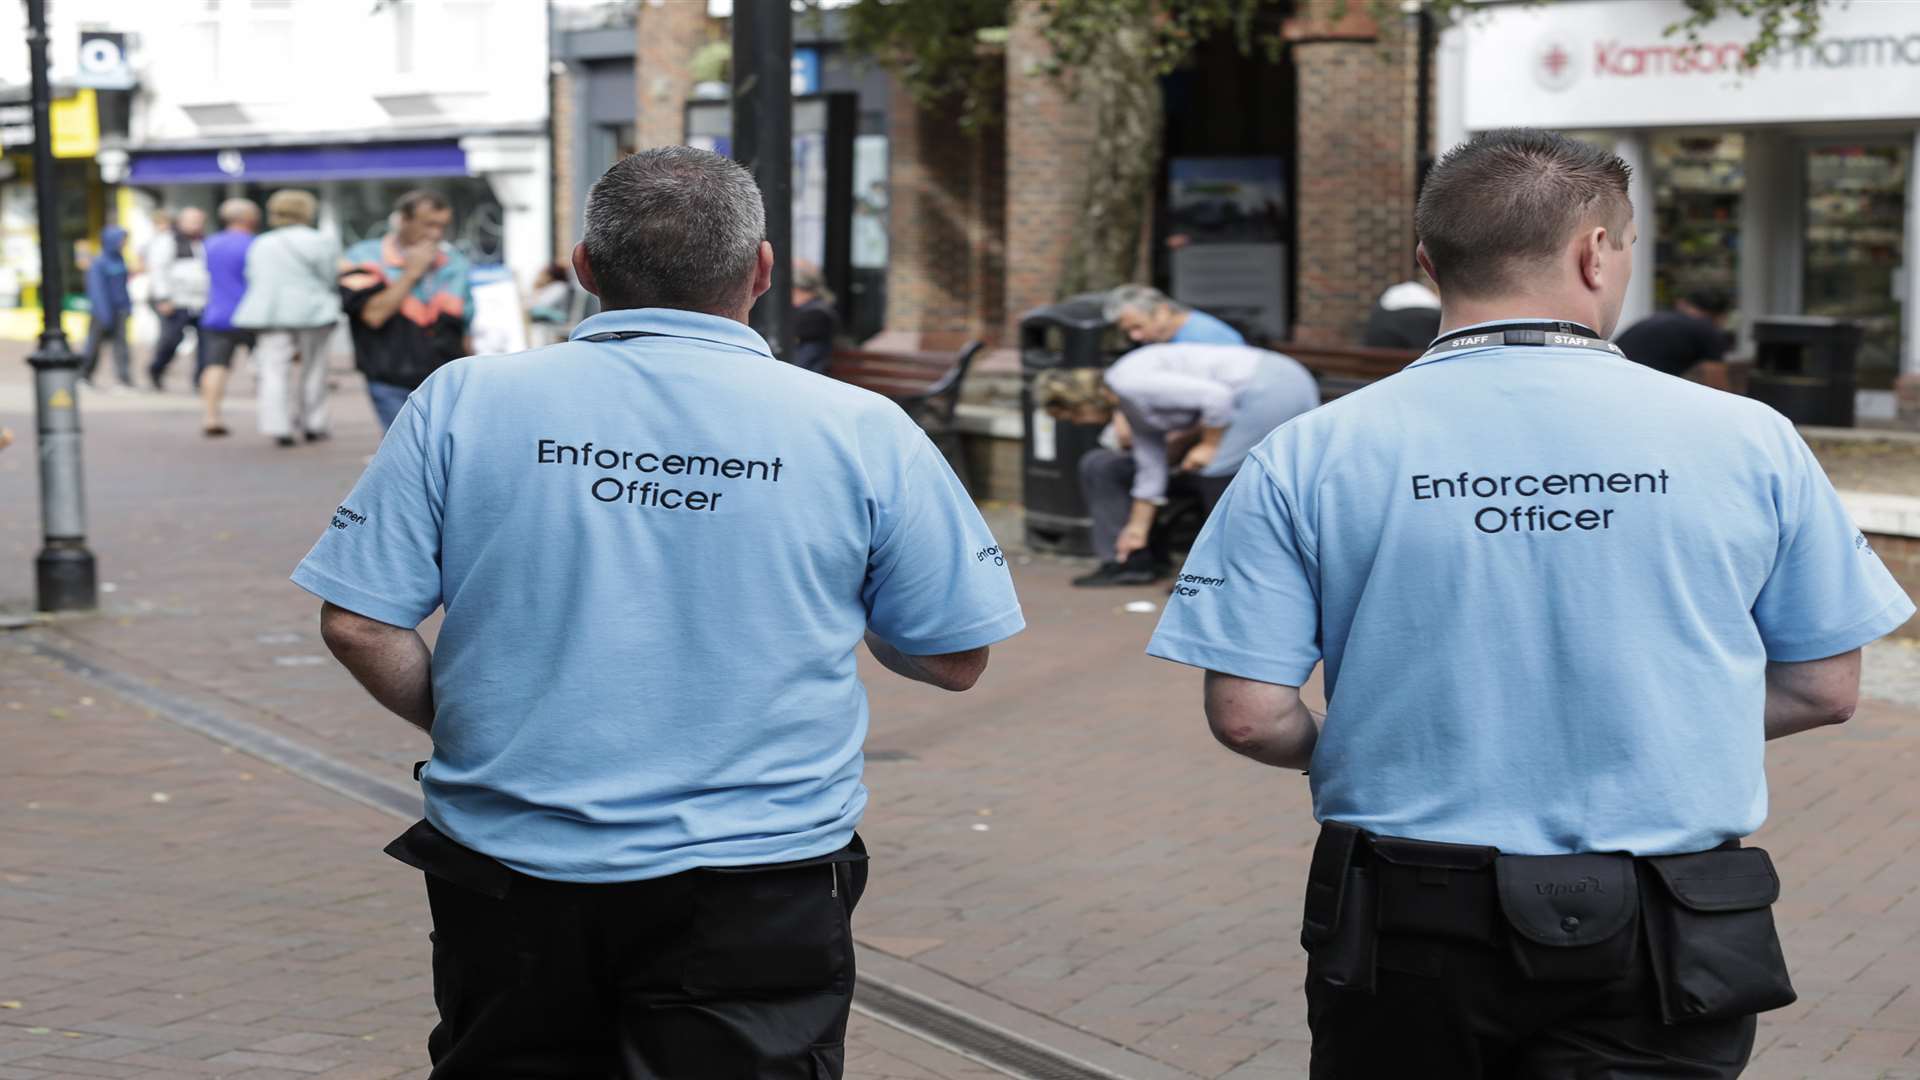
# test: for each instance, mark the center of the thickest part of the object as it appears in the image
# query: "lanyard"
(1561, 335)
(622, 335)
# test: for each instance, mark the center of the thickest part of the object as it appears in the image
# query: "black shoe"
(318, 436)
(1136, 572)
(1101, 575)
(284, 440)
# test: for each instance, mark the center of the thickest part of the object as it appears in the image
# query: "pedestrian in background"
(1151, 317)
(1562, 601)
(639, 847)
(226, 285)
(816, 326)
(109, 306)
(1680, 340)
(408, 300)
(1228, 396)
(550, 312)
(292, 305)
(177, 289)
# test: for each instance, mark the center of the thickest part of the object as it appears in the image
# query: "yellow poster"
(76, 125)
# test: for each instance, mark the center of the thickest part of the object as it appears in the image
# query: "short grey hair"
(1142, 298)
(675, 227)
(234, 211)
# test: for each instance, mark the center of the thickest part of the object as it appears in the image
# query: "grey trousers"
(1106, 483)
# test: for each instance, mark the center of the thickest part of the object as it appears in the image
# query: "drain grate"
(1003, 1050)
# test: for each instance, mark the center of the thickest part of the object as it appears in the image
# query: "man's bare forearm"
(392, 663)
(1812, 694)
(386, 303)
(953, 671)
(1267, 723)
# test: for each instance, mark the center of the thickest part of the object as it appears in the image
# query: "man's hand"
(6, 437)
(1131, 539)
(1122, 431)
(1199, 457)
(164, 307)
(418, 259)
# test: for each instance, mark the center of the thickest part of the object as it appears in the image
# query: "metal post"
(763, 141)
(64, 571)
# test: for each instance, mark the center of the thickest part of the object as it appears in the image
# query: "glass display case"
(1856, 245)
(1698, 182)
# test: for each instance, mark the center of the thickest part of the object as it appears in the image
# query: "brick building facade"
(1355, 161)
(981, 222)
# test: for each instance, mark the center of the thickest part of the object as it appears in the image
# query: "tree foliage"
(1111, 54)
(946, 50)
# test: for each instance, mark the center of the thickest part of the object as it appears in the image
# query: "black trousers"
(739, 974)
(173, 330)
(1452, 962)
(1106, 483)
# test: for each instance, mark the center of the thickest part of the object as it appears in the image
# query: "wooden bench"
(1342, 369)
(926, 384)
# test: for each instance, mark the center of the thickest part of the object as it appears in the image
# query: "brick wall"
(947, 253)
(1356, 168)
(1902, 556)
(669, 31)
(1049, 140)
(561, 128)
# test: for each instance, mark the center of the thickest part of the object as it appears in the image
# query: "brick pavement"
(1065, 837)
(171, 908)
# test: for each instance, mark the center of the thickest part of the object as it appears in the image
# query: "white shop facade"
(1789, 188)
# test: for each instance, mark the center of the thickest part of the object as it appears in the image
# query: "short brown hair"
(1509, 200)
(420, 199)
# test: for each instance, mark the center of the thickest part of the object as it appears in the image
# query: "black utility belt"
(1705, 919)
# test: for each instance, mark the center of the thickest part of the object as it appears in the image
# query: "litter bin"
(1803, 366)
(1072, 333)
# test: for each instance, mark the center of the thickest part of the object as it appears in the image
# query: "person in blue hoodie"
(107, 298)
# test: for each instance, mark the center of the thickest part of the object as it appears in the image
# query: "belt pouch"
(1435, 890)
(1710, 927)
(1572, 916)
(1337, 927)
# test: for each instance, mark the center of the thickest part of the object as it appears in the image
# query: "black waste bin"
(1803, 366)
(1072, 333)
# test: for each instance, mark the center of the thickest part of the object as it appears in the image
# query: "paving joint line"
(923, 1017)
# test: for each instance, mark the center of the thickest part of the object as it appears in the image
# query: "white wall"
(319, 67)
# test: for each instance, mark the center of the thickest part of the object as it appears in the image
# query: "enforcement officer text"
(1539, 517)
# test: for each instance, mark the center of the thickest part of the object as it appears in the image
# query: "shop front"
(1789, 188)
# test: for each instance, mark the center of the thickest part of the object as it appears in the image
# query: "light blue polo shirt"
(1203, 329)
(658, 557)
(1545, 583)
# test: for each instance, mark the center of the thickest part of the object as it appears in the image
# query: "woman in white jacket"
(292, 303)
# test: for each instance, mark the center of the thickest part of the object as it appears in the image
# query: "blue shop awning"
(279, 164)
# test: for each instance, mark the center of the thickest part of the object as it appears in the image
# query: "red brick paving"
(1132, 879)
(171, 908)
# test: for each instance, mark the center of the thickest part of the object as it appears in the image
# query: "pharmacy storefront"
(1789, 188)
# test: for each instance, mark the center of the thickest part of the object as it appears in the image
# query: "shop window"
(1855, 245)
(1698, 182)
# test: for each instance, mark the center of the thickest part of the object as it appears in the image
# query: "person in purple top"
(227, 274)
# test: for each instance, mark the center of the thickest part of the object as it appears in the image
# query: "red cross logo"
(1554, 66)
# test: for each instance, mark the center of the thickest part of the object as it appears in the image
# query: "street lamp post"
(64, 578)
(763, 141)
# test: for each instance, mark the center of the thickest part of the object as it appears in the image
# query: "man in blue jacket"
(108, 300)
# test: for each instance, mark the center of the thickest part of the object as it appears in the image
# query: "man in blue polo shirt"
(1562, 601)
(1150, 317)
(658, 550)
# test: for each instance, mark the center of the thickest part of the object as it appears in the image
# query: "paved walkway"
(171, 908)
(1065, 838)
